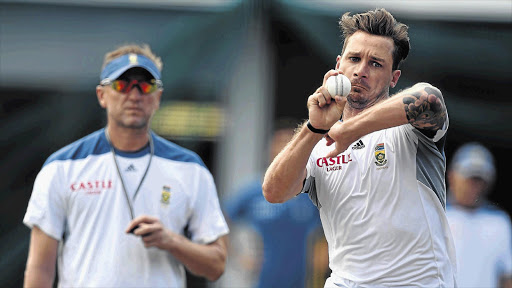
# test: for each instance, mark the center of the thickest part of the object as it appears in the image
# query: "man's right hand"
(325, 109)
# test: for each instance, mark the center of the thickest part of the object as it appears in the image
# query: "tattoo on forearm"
(425, 109)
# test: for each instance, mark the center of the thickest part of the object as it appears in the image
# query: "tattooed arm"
(424, 108)
(421, 105)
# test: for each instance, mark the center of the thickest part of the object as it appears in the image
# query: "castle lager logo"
(333, 163)
(91, 187)
(340, 159)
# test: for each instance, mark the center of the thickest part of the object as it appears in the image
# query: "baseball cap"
(474, 160)
(118, 66)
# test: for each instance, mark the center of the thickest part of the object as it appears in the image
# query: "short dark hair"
(378, 22)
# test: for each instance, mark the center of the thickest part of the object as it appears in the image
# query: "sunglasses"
(125, 86)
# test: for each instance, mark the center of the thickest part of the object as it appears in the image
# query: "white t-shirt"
(382, 204)
(78, 199)
(483, 244)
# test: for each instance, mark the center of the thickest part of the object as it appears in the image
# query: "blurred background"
(231, 68)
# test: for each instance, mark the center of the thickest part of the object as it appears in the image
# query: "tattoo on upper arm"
(425, 109)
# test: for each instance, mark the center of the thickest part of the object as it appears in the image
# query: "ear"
(449, 177)
(396, 75)
(338, 59)
(158, 98)
(100, 93)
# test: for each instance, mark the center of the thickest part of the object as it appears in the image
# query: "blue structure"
(284, 229)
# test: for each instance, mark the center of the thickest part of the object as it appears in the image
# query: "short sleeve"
(207, 222)
(442, 132)
(311, 164)
(439, 134)
(46, 208)
(505, 259)
(309, 185)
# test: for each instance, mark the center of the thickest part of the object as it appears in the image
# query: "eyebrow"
(357, 54)
(378, 59)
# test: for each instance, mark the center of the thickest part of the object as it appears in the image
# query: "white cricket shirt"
(482, 238)
(78, 199)
(381, 203)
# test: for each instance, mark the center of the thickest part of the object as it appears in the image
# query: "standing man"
(381, 191)
(112, 208)
(481, 231)
(284, 229)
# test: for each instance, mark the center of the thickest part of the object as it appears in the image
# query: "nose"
(135, 92)
(361, 70)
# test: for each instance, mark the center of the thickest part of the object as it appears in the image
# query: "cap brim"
(115, 74)
(118, 66)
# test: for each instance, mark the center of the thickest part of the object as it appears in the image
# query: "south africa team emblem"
(380, 155)
(166, 195)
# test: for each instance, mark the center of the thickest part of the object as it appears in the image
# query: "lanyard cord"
(152, 151)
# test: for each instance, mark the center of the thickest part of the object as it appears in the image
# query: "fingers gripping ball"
(338, 85)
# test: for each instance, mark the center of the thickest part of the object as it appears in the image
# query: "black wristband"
(315, 130)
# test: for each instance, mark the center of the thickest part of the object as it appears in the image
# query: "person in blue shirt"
(482, 231)
(286, 229)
